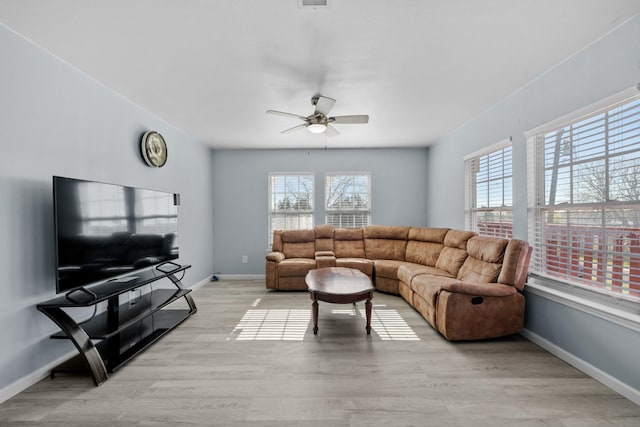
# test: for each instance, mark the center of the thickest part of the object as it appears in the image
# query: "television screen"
(107, 230)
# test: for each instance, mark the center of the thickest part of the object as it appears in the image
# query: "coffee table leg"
(367, 306)
(315, 316)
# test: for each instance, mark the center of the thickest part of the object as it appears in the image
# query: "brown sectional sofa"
(466, 286)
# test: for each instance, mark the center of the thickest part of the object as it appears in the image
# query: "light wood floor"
(209, 371)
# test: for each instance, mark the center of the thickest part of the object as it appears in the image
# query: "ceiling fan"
(319, 121)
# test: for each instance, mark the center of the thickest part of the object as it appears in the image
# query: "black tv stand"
(88, 295)
(123, 330)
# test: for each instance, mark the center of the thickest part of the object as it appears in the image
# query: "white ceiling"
(419, 68)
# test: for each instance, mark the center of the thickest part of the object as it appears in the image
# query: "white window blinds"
(348, 199)
(290, 201)
(488, 201)
(584, 207)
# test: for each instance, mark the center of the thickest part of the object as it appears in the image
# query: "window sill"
(622, 312)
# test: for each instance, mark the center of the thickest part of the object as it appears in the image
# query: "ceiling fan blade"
(330, 131)
(350, 119)
(295, 128)
(282, 113)
(324, 104)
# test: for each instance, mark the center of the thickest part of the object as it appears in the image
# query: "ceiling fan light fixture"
(317, 128)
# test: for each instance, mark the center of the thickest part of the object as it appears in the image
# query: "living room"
(57, 120)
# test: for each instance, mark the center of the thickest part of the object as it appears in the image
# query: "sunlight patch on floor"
(387, 323)
(273, 324)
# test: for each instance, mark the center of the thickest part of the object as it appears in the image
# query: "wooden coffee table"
(339, 285)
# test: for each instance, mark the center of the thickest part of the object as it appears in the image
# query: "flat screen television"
(103, 231)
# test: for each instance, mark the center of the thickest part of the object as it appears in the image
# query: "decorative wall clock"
(154, 149)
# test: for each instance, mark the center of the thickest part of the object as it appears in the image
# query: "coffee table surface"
(338, 281)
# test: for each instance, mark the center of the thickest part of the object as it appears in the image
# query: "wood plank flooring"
(214, 371)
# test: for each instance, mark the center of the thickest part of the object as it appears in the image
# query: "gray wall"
(54, 120)
(240, 196)
(610, 65)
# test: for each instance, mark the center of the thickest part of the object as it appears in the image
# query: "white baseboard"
(613, 383)
(240, 276)
(201, 283)
(27, 381)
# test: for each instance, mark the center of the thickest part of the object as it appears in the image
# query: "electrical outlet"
(245, 259)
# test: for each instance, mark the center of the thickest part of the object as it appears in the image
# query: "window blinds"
(584, 207)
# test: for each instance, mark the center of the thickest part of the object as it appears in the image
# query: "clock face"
(154, 149)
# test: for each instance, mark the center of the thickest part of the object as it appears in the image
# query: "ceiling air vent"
(303, 4)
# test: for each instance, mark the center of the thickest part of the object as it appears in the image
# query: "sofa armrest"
(480, 289)
(275, 256)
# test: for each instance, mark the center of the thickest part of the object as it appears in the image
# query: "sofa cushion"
(428, 287)
(489, 249)
(474, 270)
(362, 264)
(392, 232)
(324, 238)
(407, 271)
(295, 267)
(298, 236)
(450, 260)
(433, 235)
(425, 253)
(387, 268)
(349, 243)
(385, 242)
(298, 243)
(458, 238)
(484, 261)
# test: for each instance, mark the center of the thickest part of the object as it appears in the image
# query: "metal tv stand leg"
(81, 340)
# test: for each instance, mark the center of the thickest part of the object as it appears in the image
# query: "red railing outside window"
(604, 258)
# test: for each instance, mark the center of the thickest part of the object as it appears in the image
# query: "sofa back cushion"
(298, 243)
(454, 252)
(486, 255)
(348, 243)
(424, 245)
(324, 238)
(385, 242)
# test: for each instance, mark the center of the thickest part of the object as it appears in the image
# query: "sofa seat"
(408, 270)
(292, 271)
(296, 267)
(386, 275)
(362, 264)
(423, 294)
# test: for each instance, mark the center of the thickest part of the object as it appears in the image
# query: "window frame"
(353, 211)
(564, 256)
(271, 211)
(502, 228)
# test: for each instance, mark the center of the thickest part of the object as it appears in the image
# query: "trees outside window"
(290, 202)
(348, 199)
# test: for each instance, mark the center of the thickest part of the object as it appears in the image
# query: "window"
(489, 191)
(348, 200)
(290, 202)
(584, 190)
